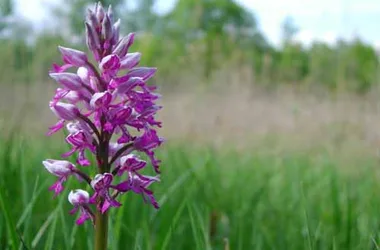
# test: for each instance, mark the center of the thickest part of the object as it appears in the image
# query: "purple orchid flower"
(131, 164)
(139, 185)
(109, 111)
(80, 200)
(61, 169)
(101, 185)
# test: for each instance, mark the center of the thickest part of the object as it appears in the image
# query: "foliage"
(6, 7)
(201, 37)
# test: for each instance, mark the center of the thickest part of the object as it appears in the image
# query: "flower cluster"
(109, 111)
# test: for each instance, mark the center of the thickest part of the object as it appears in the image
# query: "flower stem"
(101, 230)
(101, 219)
(120, 152)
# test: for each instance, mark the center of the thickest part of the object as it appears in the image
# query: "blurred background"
(258, 67)
(271, 112)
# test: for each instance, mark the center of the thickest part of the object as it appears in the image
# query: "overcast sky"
(317, 19)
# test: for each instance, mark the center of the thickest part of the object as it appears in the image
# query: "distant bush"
(349, 66)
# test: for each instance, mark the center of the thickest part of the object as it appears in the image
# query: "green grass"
(257, 199)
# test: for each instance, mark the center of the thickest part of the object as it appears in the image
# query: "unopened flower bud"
(72, 56)
(65, 111)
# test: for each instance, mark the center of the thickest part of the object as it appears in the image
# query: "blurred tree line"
(198, 37)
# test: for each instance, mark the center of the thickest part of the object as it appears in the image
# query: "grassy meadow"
(268, 147)
(242, 169)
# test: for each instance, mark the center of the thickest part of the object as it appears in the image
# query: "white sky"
(317, 19)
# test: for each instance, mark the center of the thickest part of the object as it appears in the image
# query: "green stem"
(101, 220)
(101, 230)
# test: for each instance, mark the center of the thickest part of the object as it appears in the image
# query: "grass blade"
(43, 228)
(11, 229)
(173, 224)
